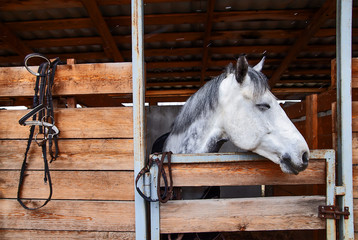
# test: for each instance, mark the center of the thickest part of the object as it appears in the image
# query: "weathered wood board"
(245, 173)
(73, 79)
(355, 147)
(86, 185)
(75, 123)
(246, 214)
(44, 234)
(70, 215)
(75, 154)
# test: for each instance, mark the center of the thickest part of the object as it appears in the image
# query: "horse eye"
(263, 106)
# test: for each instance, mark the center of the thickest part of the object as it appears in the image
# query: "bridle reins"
(168, 190)
(42, 116)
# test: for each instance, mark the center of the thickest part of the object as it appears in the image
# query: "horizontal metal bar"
(340, 190)
(235, 157)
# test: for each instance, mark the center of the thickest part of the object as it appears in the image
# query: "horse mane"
(206, 98)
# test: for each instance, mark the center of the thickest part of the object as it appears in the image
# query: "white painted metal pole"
(344, 113)
(138, 76)
(330, 191)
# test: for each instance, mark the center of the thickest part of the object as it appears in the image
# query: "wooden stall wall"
(316, 119)
(313, 118)
(93, 192)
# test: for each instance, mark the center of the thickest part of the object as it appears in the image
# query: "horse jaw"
(269, 133)
(284, 146)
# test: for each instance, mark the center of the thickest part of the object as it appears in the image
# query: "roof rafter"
(207, 36)
(109, 44)
(14, 42)
(169, 18)
(316, 22)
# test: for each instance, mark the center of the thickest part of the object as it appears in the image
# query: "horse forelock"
(259, 80)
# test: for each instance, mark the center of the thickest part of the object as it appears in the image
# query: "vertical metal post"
(154, 206)
(330, 192)
(344, 113)
(138, 77)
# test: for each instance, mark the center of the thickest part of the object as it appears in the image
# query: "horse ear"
(241, 69)
(258, 67)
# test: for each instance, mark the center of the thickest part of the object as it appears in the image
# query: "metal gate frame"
(150, 185)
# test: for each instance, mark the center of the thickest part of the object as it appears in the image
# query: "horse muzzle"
(293, 167)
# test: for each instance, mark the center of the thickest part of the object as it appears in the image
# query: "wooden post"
(71, 102)
(71, 61)
(311, 121)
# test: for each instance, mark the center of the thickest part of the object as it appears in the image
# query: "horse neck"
(202, 135)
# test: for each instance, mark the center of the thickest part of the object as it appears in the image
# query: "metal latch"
(332, 212)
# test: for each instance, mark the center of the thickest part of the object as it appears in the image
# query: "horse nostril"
(305, 158)
(286, 157)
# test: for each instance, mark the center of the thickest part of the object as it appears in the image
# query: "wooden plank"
(70, 215)
(354, 116)
(355, 212)
(325, 141)
(355, 181)
(75, 154)
(311, 121)
(84, 185)
(75, 79)
(43, 234)
(325, 100)
(325, 125)
(75, 123)
(245, 173)
(250, 214)
(355, 148)
(354, 73)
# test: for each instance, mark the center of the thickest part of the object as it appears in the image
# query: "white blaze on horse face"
(259, 124)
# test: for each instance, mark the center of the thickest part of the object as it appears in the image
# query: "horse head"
(253, 119)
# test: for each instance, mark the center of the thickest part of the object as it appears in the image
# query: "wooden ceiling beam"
(165, 19)
(172, 84)
(189, 92)
(213, 73)
(181, 36)
(14, 42)
(20, 5)
(319, 18)
(235, 50)
(109, 44)
(197, 83)
(207, 37)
